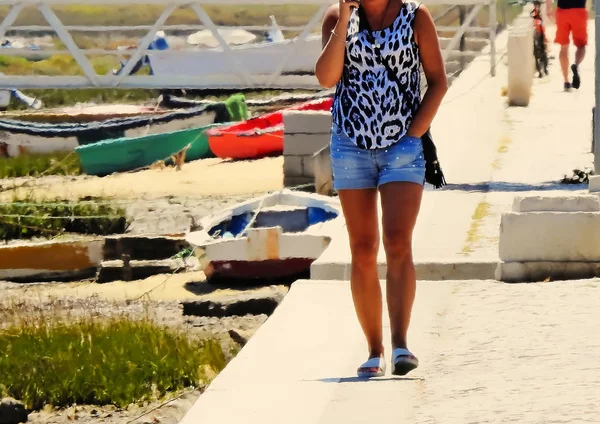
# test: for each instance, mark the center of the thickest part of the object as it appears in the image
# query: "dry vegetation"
(60, 360)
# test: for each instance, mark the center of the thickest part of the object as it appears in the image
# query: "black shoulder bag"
(433, 170)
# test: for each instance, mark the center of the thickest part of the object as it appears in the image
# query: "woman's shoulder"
(415, 6)
(333, 12)
(421, 13)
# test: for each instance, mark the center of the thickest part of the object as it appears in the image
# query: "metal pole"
(597, 80)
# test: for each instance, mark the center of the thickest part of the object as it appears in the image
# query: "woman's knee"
(397, 245)
(364, 251)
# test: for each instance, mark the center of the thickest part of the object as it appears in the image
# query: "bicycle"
(540, 45)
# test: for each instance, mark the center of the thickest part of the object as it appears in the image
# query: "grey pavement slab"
(490, 352)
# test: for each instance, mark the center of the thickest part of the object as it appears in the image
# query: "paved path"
(491, 152)
(490, 353)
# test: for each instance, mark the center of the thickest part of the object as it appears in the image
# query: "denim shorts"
(356, 168)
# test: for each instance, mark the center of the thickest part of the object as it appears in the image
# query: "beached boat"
(83, 113)
(257, 60)
(256, 137)
(271, 237)
(127, 154)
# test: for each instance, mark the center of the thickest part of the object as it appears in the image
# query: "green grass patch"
(35, 165)
(24, 219)
(117, 361)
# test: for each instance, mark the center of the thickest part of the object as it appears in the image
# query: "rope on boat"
(67, 129)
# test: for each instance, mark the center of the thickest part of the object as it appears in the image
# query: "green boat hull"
(128, 154)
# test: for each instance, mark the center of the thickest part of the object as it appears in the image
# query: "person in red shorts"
(571, 19)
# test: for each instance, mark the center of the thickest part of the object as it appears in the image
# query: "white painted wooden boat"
(257, 61)
(271, 237)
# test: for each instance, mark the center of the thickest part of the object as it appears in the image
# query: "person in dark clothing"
(571, 18)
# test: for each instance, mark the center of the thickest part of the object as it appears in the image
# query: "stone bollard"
(521, 62)
(305, 133)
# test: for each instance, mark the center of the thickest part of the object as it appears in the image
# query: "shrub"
(23, 219)
(34, 165)
(112, 361)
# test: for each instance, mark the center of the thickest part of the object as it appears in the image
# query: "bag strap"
(376, 47)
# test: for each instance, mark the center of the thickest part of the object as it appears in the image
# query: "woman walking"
(372, 52)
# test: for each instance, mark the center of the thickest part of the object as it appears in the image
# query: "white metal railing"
(287, 64)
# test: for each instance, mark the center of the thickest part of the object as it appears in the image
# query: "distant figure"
(159, 42)
(571, 18)
(274, 35)
(5, 96)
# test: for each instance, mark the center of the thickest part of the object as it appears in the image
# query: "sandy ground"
(155, 198)
(158, 288)
(196, 179)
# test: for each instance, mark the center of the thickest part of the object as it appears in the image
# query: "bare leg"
(564, 61)
(579, 55)
(400, 204)
(360, 212)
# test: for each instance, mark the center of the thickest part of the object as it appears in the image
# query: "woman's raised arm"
(330, 64)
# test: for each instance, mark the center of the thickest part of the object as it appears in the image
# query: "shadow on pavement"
(503, 186)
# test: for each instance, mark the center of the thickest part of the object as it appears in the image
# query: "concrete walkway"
(489, 352)
(489, 153)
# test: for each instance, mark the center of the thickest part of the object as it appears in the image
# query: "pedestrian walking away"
(571, 20)
(372, 54)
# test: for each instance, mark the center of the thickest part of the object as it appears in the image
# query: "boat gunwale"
(284, 197)
(232, 129)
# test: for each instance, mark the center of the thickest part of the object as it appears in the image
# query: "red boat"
(256, 137)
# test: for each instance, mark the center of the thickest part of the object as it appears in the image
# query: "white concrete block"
(308, 166)
(425, 271)
(594, 186)
(587, 203)
(304, 144)
(307, 122)
(550, 236)
(292, 166)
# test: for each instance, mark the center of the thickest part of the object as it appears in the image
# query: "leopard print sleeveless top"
(371, 108)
